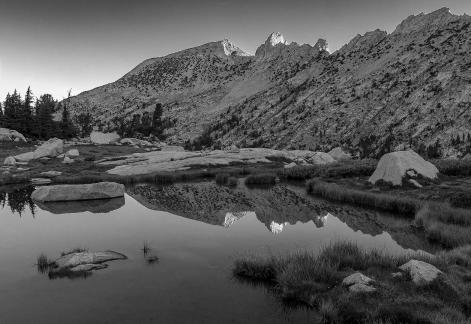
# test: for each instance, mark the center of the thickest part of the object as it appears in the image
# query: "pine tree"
(45, 125)
(67, 127)
(85, 124)
(26, 115)
(146, 124)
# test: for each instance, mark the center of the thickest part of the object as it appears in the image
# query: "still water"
(196, 230)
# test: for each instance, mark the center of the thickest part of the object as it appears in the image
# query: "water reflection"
(17, 199)
(98, 206)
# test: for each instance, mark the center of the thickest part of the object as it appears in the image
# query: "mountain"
(380, 91)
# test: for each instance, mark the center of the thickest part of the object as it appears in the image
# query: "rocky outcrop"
(9, 135)
(421, 272)
(10, 160)
(104, 138)
(101, 190)
(393, 167)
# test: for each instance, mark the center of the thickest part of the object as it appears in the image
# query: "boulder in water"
(101, 190)
(393, 167)
(104, 138)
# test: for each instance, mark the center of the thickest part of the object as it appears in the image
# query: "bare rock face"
(51, 148)
(104, 138)
(9, 135)
(101, 190)
(421, 272)
(393, 167)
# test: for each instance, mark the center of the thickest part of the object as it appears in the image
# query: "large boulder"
(339, 155)
(358, 282)
(51, 148)
(9, 135)
(421, 272)
(393, 167)
(101, 190)
(104, 138)
(80, 258)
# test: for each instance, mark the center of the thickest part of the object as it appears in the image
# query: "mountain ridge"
(380, 90)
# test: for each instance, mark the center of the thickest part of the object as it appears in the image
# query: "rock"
(392, 167)
(40, 181)
(99, 206)
(361, 288)
(72, 153)
(51, 148)
(339, 155)
(23, 169)
(101, 190)
(104, 138)
(356, 278)
(67, 160)
(135, 141)
(308, 157)
(421, 272)
(467, 157)
(415, 183)
(75, 259)
(397, 274)
(358, 282)
(152, 259)
(9, 161)
(291, 165)
(88, 267)
(51, 174)
(9, 135)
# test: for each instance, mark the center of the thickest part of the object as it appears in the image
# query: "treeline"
(35, 120)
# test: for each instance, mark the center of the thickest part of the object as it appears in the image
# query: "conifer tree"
(157, 128)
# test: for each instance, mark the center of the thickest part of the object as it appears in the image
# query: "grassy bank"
(315, 280)
(443, 224)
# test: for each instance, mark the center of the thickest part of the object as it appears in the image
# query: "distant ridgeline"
(379, 92)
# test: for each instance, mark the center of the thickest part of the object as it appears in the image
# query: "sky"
(57, 45)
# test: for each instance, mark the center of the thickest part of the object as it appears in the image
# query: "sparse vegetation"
(43, 263)
(315, 280)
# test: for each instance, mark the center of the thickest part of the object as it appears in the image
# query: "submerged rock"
(421, 272)
(101, 190)
(392, 167)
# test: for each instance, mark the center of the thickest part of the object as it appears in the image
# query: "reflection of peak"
(232, 217)
(276, 228)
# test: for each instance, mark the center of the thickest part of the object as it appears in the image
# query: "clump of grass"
(451, 227)
(316, 280)
(74, 250)
(146, 248)
(43, 263)
(222, 179)
(261, 179)
(394, 204)
(453, 167)
(352, 168)
(232, 182)
(459, 256)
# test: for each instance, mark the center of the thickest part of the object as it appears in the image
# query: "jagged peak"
(275, 38)
(231, 49)
(417, 22)
(365, 41)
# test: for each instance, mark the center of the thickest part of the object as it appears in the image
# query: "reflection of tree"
(18, 200)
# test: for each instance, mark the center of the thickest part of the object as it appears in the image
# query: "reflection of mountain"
(217, 205)
(94, 206)
(17, 198)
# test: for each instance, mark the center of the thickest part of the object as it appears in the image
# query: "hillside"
(380, 91)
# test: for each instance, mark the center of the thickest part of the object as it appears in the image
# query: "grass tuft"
(43, 263)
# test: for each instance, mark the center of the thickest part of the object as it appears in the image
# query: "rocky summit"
(378, 92)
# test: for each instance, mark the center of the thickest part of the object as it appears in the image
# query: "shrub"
(222, 178)
(232, 182)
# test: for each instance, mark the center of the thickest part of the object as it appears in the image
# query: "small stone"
(72, 153)
(356, 278)
(415, 183)
(360, 287)
(67, 160)
(397, 274)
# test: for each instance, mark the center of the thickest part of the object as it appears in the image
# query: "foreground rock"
(393, 167)
(104, 138)
(421, 272)
(9, 135)
(101, 190)
(51, 148)
(160, 161)
(10, 160)
(358, 282)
